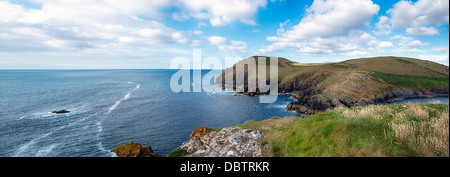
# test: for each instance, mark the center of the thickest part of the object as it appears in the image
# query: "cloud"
(198, 32)
(383, 26)
(329, 27)
(385, 44)
(408, 50)
(220, 12)
(228, 46)
(427, 31)
(195, 43)
(357, 53)
(406, 41)
(419, 17)
(440, 49)
(435, 58)
(85, 24)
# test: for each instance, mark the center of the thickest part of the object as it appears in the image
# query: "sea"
(112, 107)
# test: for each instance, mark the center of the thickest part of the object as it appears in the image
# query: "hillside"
(356, 82)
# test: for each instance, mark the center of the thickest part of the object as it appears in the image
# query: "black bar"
(276, 166)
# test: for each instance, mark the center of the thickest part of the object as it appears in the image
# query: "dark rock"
(135, 150)
(61, 112)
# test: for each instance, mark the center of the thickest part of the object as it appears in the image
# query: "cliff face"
(359, 82)
(228, 142)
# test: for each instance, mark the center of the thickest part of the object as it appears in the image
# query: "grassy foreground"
(376, 130)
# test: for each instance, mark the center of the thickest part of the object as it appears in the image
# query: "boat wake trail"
(124, 98)
(100, 122)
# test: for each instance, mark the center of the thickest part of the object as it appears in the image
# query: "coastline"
(256, 138)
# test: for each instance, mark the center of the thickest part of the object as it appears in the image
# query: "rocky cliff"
(226, 142)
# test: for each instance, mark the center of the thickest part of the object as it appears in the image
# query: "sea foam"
(124, 98)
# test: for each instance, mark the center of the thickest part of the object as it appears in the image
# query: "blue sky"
(141, 34)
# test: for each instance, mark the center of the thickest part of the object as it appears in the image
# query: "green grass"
(178, 153)
(404, 61)
(343, 65)
(209, 130)
(411, 81)
(365, 131)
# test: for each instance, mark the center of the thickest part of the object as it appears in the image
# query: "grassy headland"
(375, 130)
(350, 83)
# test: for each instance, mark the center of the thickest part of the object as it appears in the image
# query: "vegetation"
(209, 130)
(376, 130)
(412, 81)
(178, 153)
(404, 61)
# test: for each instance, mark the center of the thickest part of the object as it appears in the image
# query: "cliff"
(356, 82)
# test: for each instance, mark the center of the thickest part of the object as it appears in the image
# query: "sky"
(142, 34)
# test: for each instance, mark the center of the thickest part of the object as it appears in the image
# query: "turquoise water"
(111, 107)
(443, 100)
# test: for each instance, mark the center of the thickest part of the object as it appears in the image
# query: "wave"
(74, 110)
(25, 149)
(100, 122)
(124, 98)
(108, 152)
(45, 151)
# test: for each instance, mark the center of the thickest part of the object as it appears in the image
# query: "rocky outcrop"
(135, 150)
(228, 142)
(60, 112)
(310, 102)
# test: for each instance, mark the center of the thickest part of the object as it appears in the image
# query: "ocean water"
(111, 107)
(443, 100)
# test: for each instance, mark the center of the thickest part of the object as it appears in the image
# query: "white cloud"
(406, 41)
(198, 32)
(421, 13)
(440, 49)
(195, 43)
(408, 50)
(229, 46)
(220, 12)
(329, 27)
(427, 31)
(435, 58)
(415, 43)
(357, 53)
(383, 26)
(385, 44)
(419, 17)
(85, 24)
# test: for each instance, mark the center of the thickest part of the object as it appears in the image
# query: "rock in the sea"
(61, 112)
(135, 150)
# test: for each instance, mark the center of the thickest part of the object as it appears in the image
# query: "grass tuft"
(178, 153)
